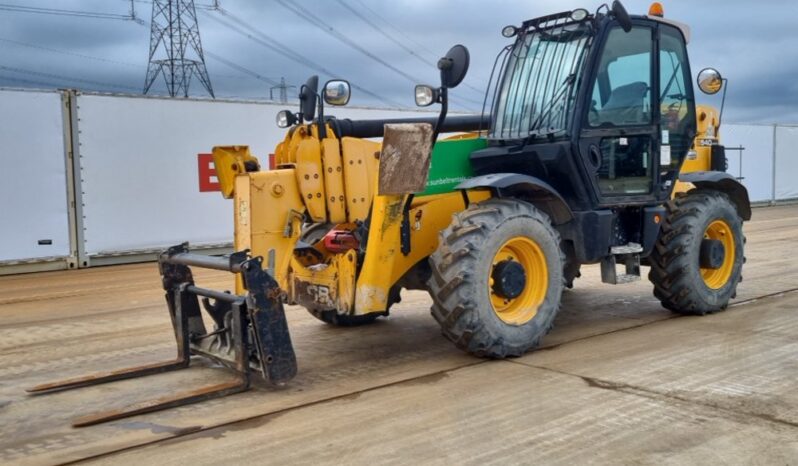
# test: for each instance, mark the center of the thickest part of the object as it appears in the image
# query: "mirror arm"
(722, 101)
(322, 126)
(444, 100)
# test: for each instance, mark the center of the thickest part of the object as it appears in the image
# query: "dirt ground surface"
(618, 380)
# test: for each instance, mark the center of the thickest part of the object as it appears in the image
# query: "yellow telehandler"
(592, 151)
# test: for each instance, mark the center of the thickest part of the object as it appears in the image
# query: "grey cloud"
(753, 47)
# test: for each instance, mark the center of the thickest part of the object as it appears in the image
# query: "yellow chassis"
(334, 182)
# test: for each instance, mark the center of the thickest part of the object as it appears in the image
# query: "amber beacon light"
(656, 10)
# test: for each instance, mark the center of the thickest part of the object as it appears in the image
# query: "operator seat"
(625, 105)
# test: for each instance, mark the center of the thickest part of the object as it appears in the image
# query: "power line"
(269, 42)
(28, 81)
(61, 12)
(240, 68)
(110, 61)
(65, 52)
(384, 33)
(308, 16)
(398, 42)
(65, 78)
(213, 6)
(399, 30)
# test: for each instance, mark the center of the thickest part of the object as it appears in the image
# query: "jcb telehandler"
(589, 154)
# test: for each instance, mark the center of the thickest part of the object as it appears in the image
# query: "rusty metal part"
(405, 158)
(166, 402)
(110, 376)
(251, 333)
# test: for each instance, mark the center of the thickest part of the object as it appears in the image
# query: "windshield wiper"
(561, 91)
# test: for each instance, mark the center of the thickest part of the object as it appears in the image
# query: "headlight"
(285, 118)
(579, 15)
(425, 95)
(509, 31)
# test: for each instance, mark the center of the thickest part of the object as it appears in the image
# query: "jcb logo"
(320, 294)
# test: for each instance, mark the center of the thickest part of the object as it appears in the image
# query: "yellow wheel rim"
(717, 278)
(524, 307)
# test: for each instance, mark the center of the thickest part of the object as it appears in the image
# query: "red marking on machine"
(208, 182)
(338, 241)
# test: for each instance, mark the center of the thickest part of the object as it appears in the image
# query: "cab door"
(640, 114)
(620, 136)
(677, 109)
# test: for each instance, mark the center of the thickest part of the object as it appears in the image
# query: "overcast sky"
(753, 44)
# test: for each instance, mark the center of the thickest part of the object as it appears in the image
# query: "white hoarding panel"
(141, 167)
(786, 162)
(757, 158)
(33, 191)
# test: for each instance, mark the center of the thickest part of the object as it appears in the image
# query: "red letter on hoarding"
(207, 173)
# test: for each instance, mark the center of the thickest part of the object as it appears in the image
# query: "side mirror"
(454, 66)
(337, 92)
(619, 12)
(426, 95)
(710, 81)
(307, 98)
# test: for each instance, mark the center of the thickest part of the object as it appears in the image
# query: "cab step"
(629, 256)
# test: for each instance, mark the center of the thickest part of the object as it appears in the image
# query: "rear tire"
(477, 246)
(680, 283)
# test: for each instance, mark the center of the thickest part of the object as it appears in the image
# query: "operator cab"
(601, 106)
(599, 109)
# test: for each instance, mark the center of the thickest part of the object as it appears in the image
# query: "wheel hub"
(517, 280)
(509, 279)
(712, 254)
(717, 254)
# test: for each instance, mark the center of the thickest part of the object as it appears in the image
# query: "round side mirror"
(337, 92)
(619, 12)
(454, 66)
(710, 81)
(307, 98)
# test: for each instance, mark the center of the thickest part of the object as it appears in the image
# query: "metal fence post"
(67, 101)
(77, 176)
(773, 172)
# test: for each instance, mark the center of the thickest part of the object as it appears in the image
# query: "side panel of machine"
(34, 225)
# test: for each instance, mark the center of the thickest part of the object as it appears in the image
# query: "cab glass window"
(622, 89)
(626, 167)
(677, 104)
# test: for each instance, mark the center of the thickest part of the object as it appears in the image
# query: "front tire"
(497, 278)
(683, 281)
